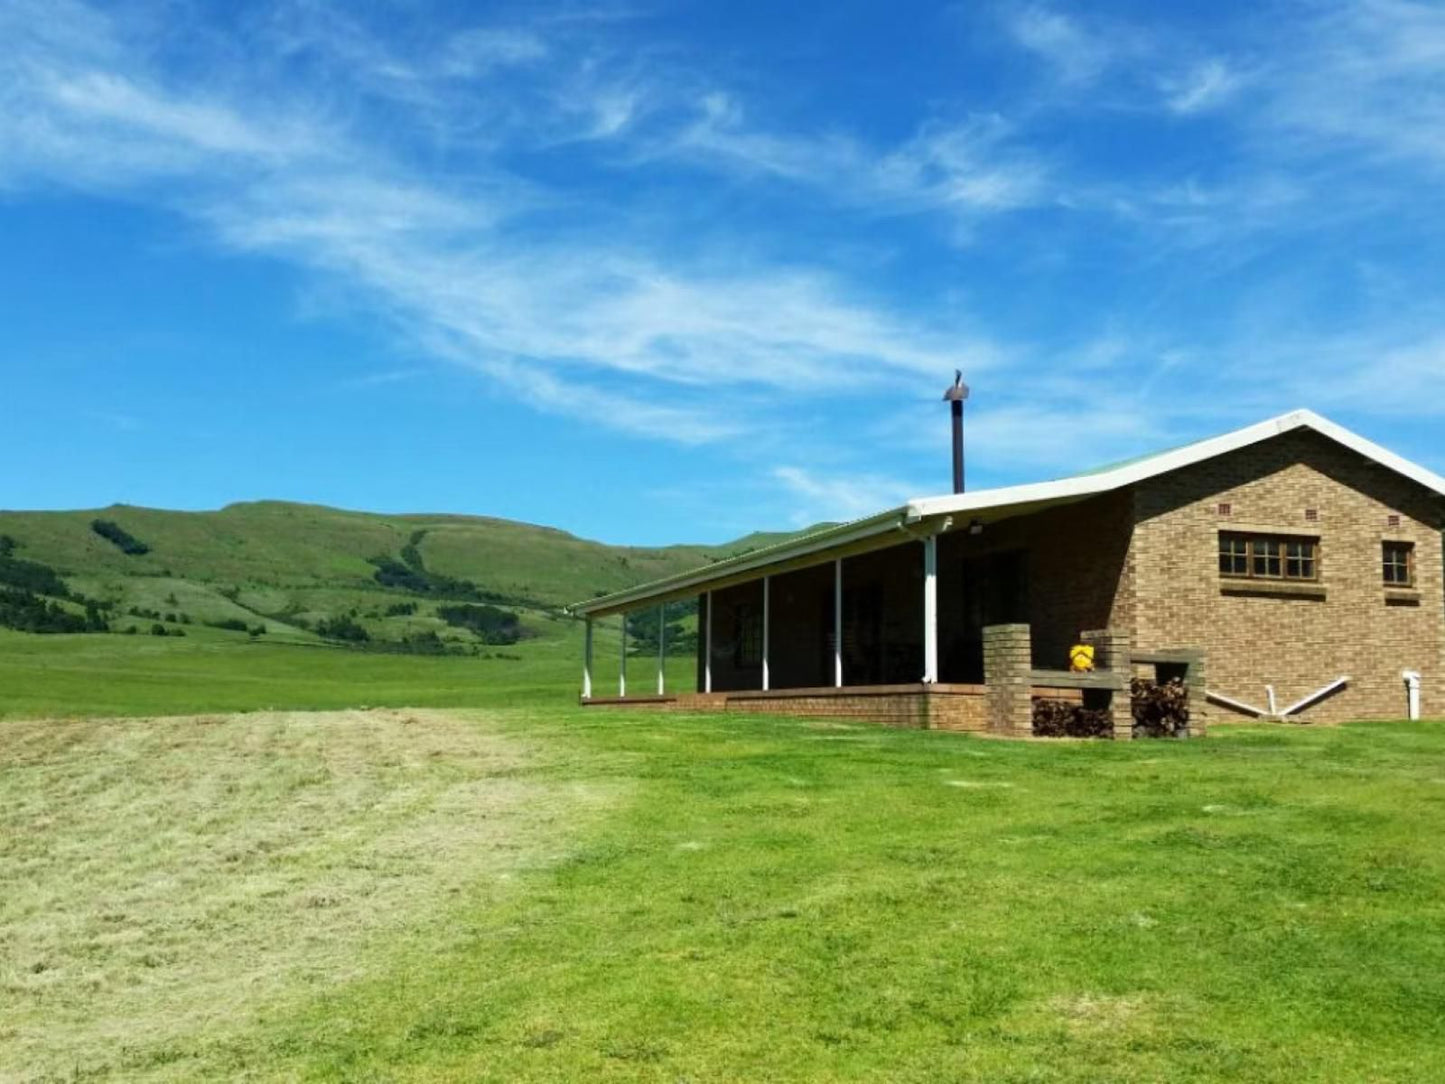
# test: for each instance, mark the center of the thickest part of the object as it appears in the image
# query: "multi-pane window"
(1299, 560)
(1233, 555)
(1268, 557)
(1399, 564)
(748, 637)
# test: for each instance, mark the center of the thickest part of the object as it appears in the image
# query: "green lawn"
(211, 671)
(524, 890)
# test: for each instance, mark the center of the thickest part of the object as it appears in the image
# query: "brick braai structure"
(1291, 570)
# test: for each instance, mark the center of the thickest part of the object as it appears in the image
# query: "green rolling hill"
(294, 567)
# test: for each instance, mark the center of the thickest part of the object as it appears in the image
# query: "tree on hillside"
(414, 577)
(491, 624)
(342, 627)
(28, 612)
(113, 532)
(642, 629)
(31, 576)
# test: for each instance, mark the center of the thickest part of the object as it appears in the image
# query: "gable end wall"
(1296, 644)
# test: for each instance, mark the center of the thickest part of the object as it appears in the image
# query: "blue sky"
(678, 271)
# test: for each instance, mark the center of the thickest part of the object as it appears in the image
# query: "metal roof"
(987, 504)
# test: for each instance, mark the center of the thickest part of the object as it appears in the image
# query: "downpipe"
(1412, 692)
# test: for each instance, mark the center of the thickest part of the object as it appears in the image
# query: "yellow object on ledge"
(1081, 658)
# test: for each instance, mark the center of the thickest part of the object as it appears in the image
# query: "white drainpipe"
(1412, 687)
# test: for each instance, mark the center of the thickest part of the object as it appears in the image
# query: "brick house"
(1292, 568)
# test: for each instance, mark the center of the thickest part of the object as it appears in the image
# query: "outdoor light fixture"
(975, 526)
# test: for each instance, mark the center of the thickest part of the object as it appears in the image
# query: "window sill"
(1272, 589)
(1402, 596)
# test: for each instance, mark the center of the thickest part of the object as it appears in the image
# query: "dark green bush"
(31, 576)
(491, 624)
(28, 612)
(113, 532)
(342, 627)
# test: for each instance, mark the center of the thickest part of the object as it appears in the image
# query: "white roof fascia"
(1370, 450)
(1090, 484)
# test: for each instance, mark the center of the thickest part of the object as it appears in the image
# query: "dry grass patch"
(163, 880)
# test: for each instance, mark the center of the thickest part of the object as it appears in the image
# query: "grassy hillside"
(293, 545)
(288, 567)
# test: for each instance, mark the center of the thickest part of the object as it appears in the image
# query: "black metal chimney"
(954, 397)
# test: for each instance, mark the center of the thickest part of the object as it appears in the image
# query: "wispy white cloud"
(841, 496)
(1206, 86)
(1057, 439)
(315, 141)
(968, 167)
(483, 49)
(1380, 371)
(1367, 75)
(383, 378)
(580, 323)
(1076, 53)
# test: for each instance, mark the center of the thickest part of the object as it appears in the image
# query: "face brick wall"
(1076, 576)
(1297, 644)
(1080, 574)
(935, 707)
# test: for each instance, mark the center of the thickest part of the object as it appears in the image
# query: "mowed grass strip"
(163, 880)
(792, 902)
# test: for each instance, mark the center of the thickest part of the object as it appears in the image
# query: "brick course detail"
(926, 707)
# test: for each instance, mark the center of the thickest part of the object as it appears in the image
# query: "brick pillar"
(1112, 649)
(1007, 660)
(1112, 655)
(1195, 680)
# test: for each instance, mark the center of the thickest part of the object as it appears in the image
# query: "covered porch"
(886, 619)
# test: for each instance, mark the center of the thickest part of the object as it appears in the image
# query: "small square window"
(1225, 508)
(1312, 514)
(1392, 521)
(1399, 563)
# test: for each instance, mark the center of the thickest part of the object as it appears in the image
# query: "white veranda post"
(661, 648)
(622, 670)
(930, 609)
(767, 604)
(587, 660)
(707, 646)
(838, 623)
